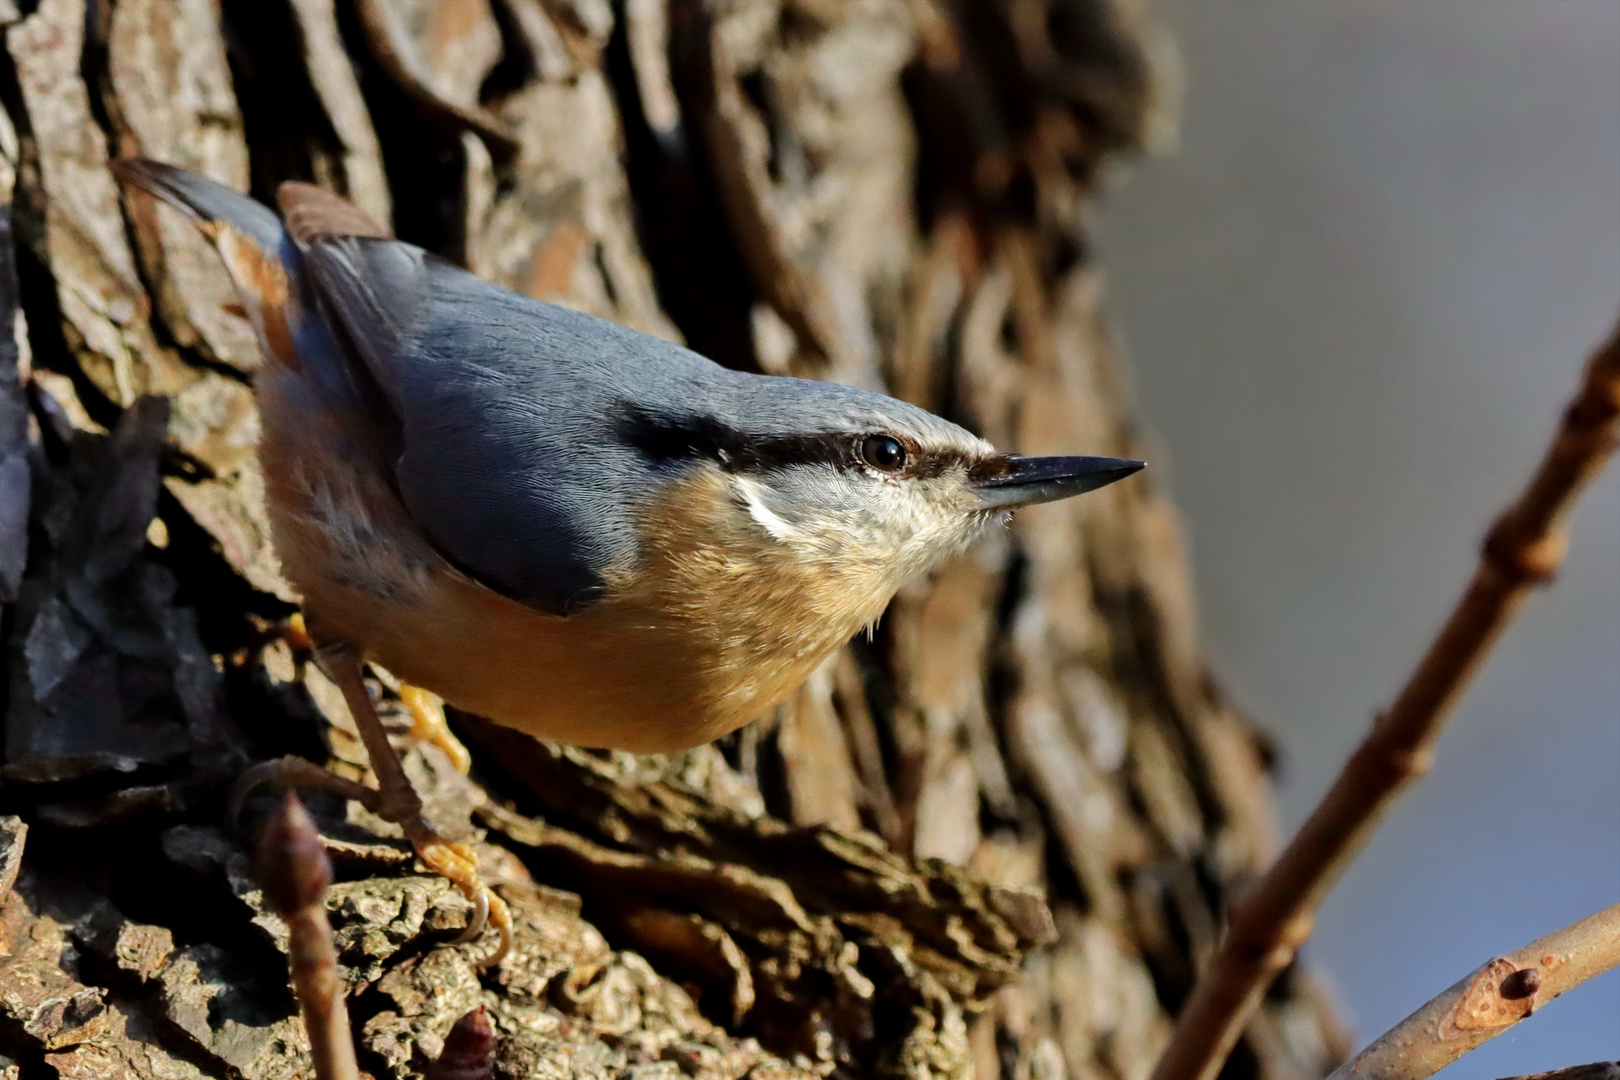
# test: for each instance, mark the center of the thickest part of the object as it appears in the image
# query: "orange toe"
(428, 725)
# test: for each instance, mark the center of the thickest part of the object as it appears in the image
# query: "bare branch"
(1598, 1070)
(293, 871)
(1490, 1000)
(1524, 549)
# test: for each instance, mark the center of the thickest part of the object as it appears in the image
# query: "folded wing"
(497, 407)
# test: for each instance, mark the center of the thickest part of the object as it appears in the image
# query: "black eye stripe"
(664, 438)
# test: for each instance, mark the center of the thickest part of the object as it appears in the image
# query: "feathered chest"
(712, 568)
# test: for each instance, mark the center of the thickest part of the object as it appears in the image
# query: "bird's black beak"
(1025, 481)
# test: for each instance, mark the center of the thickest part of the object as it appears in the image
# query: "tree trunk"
(890, 193)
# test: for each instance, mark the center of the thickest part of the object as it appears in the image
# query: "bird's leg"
(396, 801)
(296, 772)
(428, 725)
(427, 711)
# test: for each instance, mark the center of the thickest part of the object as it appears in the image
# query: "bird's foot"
(428, 725)
(296, 633)
(455, 861)
(458, 863)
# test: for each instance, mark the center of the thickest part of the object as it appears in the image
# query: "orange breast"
(714, 625)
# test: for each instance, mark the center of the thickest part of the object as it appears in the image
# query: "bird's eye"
(883, 452)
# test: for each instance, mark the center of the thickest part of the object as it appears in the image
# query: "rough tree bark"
(886, 192)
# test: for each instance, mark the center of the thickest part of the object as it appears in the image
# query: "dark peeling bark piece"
(115, 808)
(16, 476)
(93, 666)
(105, 672)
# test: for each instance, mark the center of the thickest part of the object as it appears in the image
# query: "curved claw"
(480, 916)
(489, 910)
(458, 862)
(502, 920)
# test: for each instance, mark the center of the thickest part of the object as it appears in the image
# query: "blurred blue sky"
(1356, 298)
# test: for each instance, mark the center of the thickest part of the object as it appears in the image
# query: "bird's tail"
(209, 204)
(250, 240)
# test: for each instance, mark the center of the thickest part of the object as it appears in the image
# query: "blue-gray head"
(837, 475)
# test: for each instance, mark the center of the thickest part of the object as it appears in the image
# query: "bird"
(570, 528)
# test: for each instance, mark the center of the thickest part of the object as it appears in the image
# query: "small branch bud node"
(1521, 984)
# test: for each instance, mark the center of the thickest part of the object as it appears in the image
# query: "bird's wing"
(501, 410)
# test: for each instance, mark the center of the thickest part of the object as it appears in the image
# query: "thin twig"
(1524, 549)
(293, 871)
(1490, 1000)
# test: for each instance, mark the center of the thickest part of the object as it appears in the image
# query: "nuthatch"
(568, 527)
